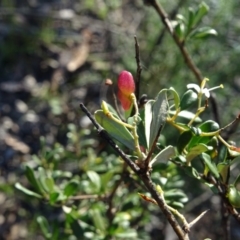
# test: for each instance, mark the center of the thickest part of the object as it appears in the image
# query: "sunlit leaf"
(95, 180)
(127, 234)
(159, 115)
(191, 15)
(20, 187)
(210, 164)
(202, 32)
(53, 197)
(175, 197)
(188, 99)
(195, 151)
(32, 179)
(141, 129)
(176, 96)
(71, 188)
(200, 13)
(164, 155)
(98, 219)
(180, 31)
(148, 120)
(106, 178)
(116, 130)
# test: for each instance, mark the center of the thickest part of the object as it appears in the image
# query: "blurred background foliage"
(56, 54)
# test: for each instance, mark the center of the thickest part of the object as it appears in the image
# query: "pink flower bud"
(126, 86)
(126, 83)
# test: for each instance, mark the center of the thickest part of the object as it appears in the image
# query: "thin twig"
(222, 194)
(163, 206)
(139, 69)
(113, 192)
(83, 197)
(225, 221)
(197, 219)
(159, 40)
(188, 60)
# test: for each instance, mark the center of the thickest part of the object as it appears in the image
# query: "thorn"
(197, 219)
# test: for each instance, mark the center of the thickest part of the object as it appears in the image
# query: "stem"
(109, 114)
(139, 68)
(134, 129)
(143, 175)
(164, 207)
(199, 111)
(188, 60)
(224, 142)
(181, 129)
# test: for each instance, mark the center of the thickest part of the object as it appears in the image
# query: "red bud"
(126, 83)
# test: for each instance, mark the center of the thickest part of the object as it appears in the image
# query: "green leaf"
(175, 96)
(175, 194)
(141, 129)
(188, 99)
(191, 15)
(223, 153)
(159, 115)
(180, 30)
(95, 180)
(43, 182)
(20, 187)
(50, 184)
(176, 205)
(175, 198)
(210, 164)
(195, 151)
(53, 197)
(209, 126)
(44, 225)
(126, 234)
(183, 140)
(106, 178)
(32, 179)
(223, 169)
(200, 13)
(116, 130)
(75, 225)
(71, 188)
(98, 220)
(111, 109)
(202, 32)
(164, 155)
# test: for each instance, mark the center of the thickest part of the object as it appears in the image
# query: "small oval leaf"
(116, 130)
(188, 99)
